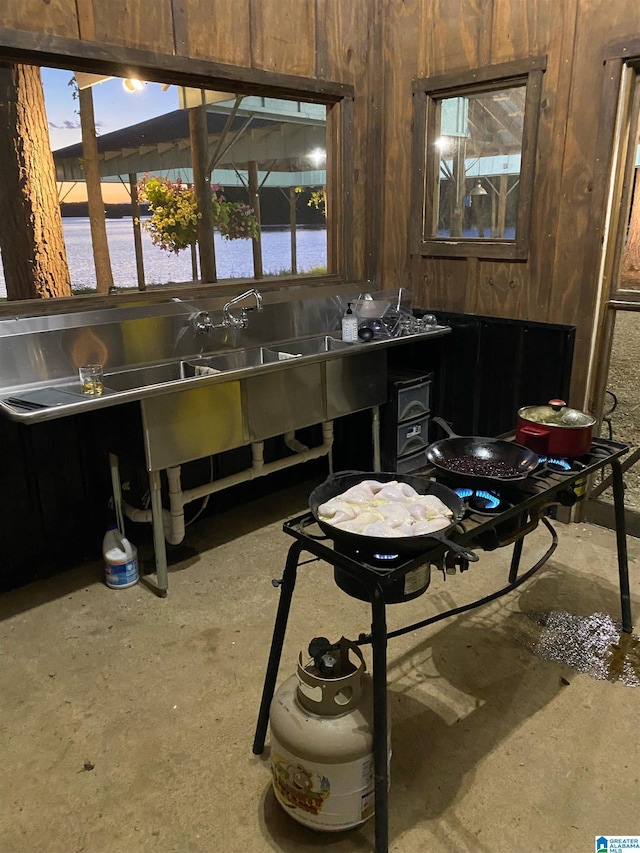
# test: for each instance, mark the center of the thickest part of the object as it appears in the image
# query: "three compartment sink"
(223, 362)
(259, 356)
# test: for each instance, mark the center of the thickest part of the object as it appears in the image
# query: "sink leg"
(117, 491)
(159, 548)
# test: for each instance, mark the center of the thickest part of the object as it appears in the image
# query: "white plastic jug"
(120, 559)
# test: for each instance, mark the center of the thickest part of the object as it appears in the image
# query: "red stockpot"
(555, 429)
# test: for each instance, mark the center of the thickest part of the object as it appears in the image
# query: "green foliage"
(173, 225)
(238, 221)
(318, 200)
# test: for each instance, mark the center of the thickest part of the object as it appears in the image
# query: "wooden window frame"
(427, 94)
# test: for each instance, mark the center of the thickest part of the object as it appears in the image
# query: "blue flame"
(386, 556)
(560, 463)
(492, 500)
(464, 493)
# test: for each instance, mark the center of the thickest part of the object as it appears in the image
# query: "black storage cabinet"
(405, 420)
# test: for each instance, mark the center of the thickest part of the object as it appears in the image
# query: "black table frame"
(374, 580)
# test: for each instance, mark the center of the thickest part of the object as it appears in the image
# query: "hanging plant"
(173, 224)
(240, 221)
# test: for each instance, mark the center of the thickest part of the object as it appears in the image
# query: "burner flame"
(464, 493)
(488, 500)
(557, 461)
(492, 500)
(386, 556)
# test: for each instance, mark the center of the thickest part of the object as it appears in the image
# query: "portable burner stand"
(541, 490)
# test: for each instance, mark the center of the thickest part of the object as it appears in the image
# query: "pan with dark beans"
(472, 459)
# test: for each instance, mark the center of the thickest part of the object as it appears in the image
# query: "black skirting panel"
(489, 367)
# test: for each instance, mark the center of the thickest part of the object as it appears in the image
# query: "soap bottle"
(349, 325)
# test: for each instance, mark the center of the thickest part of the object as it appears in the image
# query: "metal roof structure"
(162, 146)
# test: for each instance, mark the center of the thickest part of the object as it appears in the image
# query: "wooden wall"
(557, 283)
(379, 46)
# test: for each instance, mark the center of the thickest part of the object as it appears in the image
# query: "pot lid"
(557, 413)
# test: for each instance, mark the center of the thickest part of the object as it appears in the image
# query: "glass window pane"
(479, 138)
(264, 158)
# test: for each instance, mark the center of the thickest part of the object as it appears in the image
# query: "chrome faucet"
(203, 322)
(230, 320)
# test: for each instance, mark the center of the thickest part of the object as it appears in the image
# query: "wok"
(442, 453)
(336, 484)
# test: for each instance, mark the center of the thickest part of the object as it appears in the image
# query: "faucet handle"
(203, 322)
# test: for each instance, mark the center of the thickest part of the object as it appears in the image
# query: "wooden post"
(292, 223)
(194, 263)
(91, 166)
(254, 201)
(459, 175)
(199, 161)
(502, 205)
(137, 234)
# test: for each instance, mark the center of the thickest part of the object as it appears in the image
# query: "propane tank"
(322, 739)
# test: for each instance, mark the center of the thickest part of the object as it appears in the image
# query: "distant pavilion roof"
(162, 145)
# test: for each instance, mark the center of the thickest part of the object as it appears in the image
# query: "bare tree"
(31, 237)
(91, 165)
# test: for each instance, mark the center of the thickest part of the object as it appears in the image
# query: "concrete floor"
(127, 720)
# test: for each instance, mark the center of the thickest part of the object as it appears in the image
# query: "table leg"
(621, 541)
(287, 586)
(515, 559)
(380, 733)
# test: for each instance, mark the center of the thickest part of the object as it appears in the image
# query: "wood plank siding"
(379, 47)
(424, 38)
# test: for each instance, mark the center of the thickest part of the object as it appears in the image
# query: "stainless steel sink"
(258, 356)
(313, 346)
(141, 377)
(224, 362)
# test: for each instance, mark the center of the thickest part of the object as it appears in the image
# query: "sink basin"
(140, 377)
(313, 346)
(223, 362)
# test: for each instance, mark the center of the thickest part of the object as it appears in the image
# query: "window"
(474, 141)
(268, 156)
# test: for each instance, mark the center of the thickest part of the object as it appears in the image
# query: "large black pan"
(441, 454)
(336, 484)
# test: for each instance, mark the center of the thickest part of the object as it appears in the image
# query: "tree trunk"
(31, 237)
(630, 266)
(91, 166)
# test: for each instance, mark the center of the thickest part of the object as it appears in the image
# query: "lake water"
(234, 258)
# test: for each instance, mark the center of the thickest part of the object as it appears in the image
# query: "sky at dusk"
(114, 108)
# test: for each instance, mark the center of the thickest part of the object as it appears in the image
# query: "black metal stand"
(374, 587)
(374, 580)
(621, 542)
